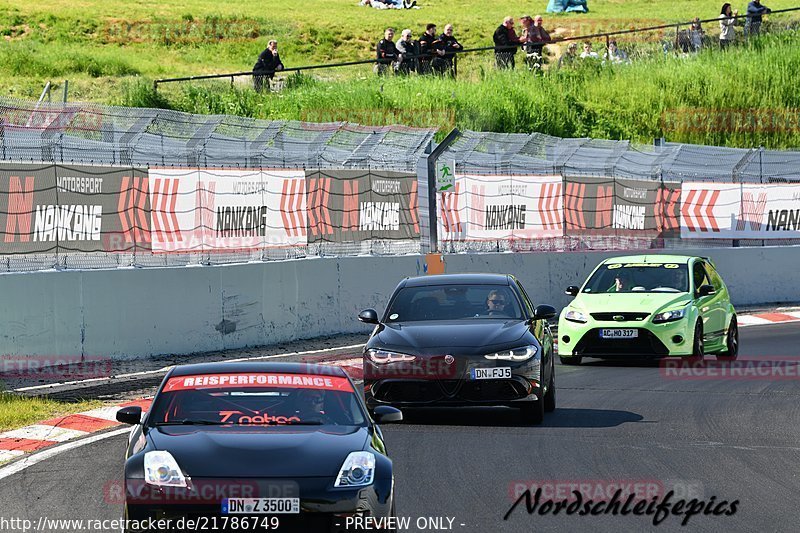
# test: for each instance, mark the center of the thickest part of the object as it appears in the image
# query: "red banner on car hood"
(258, 379)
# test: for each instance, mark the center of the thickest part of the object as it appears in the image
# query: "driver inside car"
(311, 405)
(496, 303)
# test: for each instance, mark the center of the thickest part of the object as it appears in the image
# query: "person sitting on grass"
(569, 57)
(588, 52)
(614, 54)
(389, 4)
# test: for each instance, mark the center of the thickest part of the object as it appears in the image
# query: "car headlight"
(358, 470)
(517, 354)
(576, 316)
(161, 469)
(669, 316)
(383, 357)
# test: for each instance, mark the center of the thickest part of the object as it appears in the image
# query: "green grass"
(639, 102)
(18, 411)
(110, 51)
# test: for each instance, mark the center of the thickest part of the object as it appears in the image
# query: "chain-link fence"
(606, 194)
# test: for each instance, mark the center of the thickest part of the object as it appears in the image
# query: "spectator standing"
(269, 62)
(407, 51)
(727, 19)
(451, 46)
(431, 51)
(755, 10)
(386, 52)
(588, 52)
(696, 35)
(505, 43)
(535, 37)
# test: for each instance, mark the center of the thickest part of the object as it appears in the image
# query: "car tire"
(533, 412)
(731, 342)
(574, 360)
(698, 346)
(550, 397)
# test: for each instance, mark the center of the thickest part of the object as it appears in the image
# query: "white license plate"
(500, 372)
(619, 333)
(261, 506)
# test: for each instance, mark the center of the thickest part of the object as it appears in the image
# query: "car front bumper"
(322, 508)
(653, 340)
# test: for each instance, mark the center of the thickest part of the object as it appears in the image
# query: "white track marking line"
(7, 455)
(47, 453)
(103, 413)
(42, 432)
(750, 320)
(167, 368)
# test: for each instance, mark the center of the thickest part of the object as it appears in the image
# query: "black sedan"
(256, 447)
(461, 339)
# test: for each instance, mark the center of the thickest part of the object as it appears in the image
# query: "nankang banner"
(361, 205)
(48, 208)
(740, 211)
(489, 207)
(202, 210)
(614, 206)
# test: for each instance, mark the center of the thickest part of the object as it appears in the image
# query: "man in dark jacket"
(450, 45)
(269, 62)
(431, 51)
(754, 12)
(386, 52)
(505, 43)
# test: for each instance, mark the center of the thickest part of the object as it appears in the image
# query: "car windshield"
(257, 399)
(453, 302)
(639, 277)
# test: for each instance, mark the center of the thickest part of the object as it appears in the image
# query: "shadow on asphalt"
(510, 417)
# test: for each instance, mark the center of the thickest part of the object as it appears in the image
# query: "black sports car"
(461, 339)
(256, 447)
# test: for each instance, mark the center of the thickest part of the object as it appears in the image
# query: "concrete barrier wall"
(129, 313)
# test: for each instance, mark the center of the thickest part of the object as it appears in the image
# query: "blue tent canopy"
(568, 6)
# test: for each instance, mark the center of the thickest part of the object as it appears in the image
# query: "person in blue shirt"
(755, 10)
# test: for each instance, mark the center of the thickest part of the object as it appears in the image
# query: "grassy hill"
(105, 47)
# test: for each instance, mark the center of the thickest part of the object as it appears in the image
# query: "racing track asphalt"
(713, 438)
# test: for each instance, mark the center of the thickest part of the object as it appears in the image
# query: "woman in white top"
(726, 22)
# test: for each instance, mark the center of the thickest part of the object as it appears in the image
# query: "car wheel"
(731, 342)
(550, 397)
(533, 412)
(698, 346)
(574, 360)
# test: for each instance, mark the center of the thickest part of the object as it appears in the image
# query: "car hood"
(467, 336)
(650, 302)
(225, 451)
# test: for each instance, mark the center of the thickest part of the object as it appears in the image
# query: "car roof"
(457, 279)
(257, 366)
(651, 258)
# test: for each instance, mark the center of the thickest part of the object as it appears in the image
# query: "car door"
(709, 306)
(722, 300)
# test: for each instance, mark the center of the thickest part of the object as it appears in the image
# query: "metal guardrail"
(606, 35)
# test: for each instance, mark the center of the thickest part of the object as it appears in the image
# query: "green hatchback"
(649, 305)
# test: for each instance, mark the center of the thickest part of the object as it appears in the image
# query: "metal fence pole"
(432, 159)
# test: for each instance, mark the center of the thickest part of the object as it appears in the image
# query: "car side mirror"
(368, 316)
(572, 290)
(386, 414)
(130, 415)
(544, 311)
(706, 290)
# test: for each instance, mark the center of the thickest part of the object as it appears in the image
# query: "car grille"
(450, 390)
(614, 317)
(646, 344)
